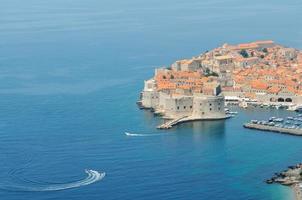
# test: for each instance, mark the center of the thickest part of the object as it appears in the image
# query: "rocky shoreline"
(297, 191)
(291, 177)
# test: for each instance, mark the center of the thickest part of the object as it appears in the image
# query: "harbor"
(290, 125)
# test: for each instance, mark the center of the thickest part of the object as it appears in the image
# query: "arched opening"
(280, 99)
(288, 100)
(272, 99)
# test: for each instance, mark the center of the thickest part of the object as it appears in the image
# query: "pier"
(261, 127)
(169, 124)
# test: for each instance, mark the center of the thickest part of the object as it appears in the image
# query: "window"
(201, 104)
(191, 107)
(184, 107)
(218, 108)
(177, 107)
(210, 104)
(203, 113)
(210, 108)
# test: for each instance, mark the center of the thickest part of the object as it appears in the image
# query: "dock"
(170, 123)
(297, 132)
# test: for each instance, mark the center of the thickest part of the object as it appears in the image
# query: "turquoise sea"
(71, 72)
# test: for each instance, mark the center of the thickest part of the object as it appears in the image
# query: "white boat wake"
(93, 176)
(141, 135)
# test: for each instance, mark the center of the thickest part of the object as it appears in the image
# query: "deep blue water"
(71, 72)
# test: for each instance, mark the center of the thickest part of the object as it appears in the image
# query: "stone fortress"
(174, 101)
(183, 96)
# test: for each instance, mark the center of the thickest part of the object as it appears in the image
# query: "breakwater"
(282, 130)
(171, 123)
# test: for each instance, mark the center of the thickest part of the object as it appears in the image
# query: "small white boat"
(128, 134)
(278, 106)
(243, 104)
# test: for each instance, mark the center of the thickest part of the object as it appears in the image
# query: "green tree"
(244, 53)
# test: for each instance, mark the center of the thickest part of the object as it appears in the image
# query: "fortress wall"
(208, 107)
